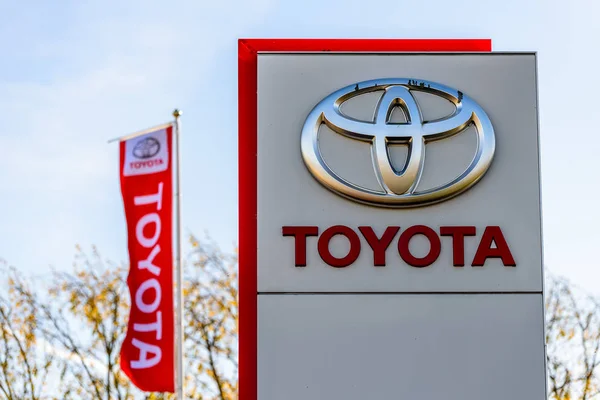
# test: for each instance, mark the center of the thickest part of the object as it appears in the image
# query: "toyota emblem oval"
(146, 148)
(398, 188)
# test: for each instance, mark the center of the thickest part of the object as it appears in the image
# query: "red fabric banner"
(147, 353)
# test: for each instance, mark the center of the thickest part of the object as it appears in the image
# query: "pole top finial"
(177, 113)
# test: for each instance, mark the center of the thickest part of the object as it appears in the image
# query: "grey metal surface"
(356, 347)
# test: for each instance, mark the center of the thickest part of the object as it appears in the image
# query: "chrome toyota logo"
(398, 187)
(146, 148)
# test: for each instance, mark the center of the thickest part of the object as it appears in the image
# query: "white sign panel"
(398, 227)
(503, 204)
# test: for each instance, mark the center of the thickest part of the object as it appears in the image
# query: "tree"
(573, 341)
(23, 370)
(87, 321)
(211, 310)
(84, 318)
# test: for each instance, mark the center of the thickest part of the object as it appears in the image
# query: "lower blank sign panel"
(364, 346)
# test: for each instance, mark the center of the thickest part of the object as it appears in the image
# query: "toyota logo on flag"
(399, 188)
(146, 148)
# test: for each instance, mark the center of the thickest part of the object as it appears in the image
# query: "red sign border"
(247, 164)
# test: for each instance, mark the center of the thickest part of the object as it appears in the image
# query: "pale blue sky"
(74, 74)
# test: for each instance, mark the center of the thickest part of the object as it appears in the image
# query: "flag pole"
(178, 263)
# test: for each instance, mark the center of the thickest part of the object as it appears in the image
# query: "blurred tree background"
(60, 335)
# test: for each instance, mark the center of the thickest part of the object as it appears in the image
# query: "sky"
(74, 74)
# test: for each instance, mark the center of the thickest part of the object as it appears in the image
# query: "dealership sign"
(390, 221)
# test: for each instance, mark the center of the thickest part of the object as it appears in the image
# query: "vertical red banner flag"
(147, 353)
